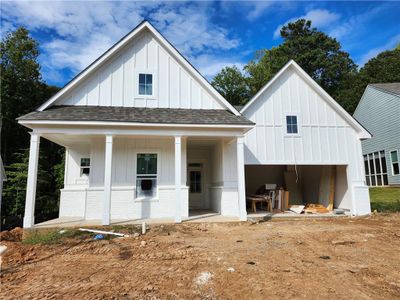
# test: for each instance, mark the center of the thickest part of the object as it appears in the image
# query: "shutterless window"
(85, 166)
(195, 181)
(394, 155)
(146, 175)
(291, 125)
(375, 169)
(145, 84)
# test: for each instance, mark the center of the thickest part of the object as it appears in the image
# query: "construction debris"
(343, 242)
(315, 209)
(298, 209)
(102, 232)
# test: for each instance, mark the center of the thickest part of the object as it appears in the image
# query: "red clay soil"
(351, 258)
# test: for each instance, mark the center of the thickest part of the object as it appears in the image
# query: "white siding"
(324, 138)
(86, 198)
(115, 82)
(323, 134)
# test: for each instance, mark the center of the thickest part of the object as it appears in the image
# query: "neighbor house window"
(375, 169)
(146, 175)
(145, 84)
(85, 166)
(291, 125)
(394, 155)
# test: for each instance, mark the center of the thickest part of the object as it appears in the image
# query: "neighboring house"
(379, 112)
(146, 136)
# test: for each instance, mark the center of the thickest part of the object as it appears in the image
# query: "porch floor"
(195, 216)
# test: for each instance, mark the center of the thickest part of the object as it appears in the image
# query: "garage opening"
(300, 189)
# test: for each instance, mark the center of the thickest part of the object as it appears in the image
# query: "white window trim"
(146, 199)
(154, 84)
(376, 175)
(84, 179)
(391, 162)
(298, 134)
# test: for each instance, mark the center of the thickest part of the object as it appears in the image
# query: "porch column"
(178, 178)
(241, 181)
(107, 180)
(29, 217)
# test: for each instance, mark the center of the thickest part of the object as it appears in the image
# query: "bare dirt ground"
(353, 258)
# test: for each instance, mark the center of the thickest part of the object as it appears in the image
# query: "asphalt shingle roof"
(393, 87)
(138, 115)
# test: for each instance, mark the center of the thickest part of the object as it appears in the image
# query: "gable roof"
(121, 43)
(140, 115)
(393, 87)
(363, 133)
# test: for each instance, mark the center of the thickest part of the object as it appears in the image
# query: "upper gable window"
(292, 126)
(145, 84)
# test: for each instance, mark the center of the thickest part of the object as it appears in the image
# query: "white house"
(146, 136)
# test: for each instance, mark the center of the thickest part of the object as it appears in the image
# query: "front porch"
(148, 176)
(194, 217)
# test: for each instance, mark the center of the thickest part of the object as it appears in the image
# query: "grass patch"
(48, 237)
(385, 199)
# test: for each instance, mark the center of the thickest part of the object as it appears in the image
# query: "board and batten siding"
(379, 112)
(115, 83)
(324, 136)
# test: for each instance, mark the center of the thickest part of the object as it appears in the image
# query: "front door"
(196, 185)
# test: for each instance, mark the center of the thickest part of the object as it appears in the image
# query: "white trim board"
(133, 124)
(362, 132)
(125, 40)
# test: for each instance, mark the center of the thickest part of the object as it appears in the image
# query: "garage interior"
(312, 189)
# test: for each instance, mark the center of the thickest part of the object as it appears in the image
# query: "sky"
(212, 35)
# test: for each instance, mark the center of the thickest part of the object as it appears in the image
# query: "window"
(85, 166)
(394, 155)
(145, 84)
(375, 169)
(291, 125)
(146, 175)
(195, 181)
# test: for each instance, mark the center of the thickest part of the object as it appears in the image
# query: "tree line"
(321, 56)
(23, 90)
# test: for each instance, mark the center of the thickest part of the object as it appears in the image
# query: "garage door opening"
(306, 189)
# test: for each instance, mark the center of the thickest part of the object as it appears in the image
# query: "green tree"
(21, 88)
(231, 84)
(383, 68)
(318, 54)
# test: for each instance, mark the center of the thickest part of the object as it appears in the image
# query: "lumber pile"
(312, 208)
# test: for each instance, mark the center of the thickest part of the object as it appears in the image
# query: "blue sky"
(210, 34)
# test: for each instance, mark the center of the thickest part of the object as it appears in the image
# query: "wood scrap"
(312, 208)
(326, 194)
(287, 194)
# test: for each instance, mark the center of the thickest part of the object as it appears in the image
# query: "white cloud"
(79, 32)
(355, 22)
(391, 44)
(320, 18)
(210, 65)
(257, 8)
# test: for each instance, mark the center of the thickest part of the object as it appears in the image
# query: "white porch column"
(178, 177)
(29, 217)
(241, 181)
(107, 180)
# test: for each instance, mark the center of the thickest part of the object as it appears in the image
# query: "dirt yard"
(353, 258)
